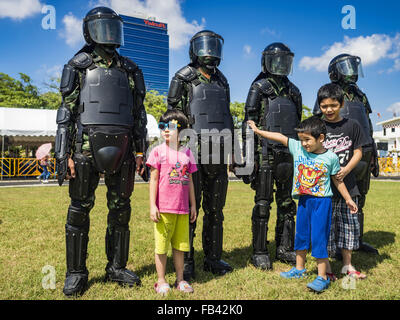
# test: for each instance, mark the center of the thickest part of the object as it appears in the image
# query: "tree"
(155, 104)
(18, 93)
(306, 113)
(237, 111)
(23, 94)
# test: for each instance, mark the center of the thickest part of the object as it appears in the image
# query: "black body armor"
(106, 98)
(209, 107)
(281, 117)
(356, 110)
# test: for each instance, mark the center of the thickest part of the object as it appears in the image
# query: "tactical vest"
(209, 107)
(281, 116)
(106, 98)
(356, 110)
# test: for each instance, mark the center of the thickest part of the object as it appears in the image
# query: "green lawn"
(32, 236)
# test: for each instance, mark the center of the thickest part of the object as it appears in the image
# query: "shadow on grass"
(367, 261)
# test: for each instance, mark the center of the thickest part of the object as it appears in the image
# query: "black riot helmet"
(206, 49)
(277, 59)
(103, 26)
(345, 67)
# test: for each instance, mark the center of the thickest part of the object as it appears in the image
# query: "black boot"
(285, 242)
(260, 258)
(261, 261)
(76, 278)
(217, 267)
(75, 284)
(117, 249)
(122, 276)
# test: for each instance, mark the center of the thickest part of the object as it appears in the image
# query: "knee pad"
(86, 180)
(119, 217)
(261, 210)
(283, 166)
(127, 178)
(78, 217)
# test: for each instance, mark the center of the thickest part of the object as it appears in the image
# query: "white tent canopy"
(40, 122)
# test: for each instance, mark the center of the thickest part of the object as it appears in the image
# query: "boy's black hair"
(313, 125)
(332, 91)
(175, 114)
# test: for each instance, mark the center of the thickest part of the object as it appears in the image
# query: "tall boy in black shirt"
(345, 138)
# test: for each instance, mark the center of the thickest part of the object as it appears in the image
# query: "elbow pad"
(62, 143)
(253, 100)
(175, 91)
(68, 77)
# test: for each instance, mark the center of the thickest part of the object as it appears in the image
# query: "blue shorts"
(313, 225)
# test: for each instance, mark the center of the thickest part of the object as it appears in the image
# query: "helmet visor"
(279, 64)
(106, 31)
(350, 66)
(208, 46)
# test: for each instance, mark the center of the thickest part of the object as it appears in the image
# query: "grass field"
(32, 236)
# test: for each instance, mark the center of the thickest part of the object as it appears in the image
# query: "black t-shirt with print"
(343, 138)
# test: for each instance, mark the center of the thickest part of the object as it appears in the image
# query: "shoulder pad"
(187, 73)
(128, 64)
(222, 77)
(264, 86)
(81, 60)
(293, 89)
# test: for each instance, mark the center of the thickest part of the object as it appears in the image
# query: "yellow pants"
(171, 229)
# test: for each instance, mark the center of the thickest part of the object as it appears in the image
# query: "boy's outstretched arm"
(339, 184)
(276, 136)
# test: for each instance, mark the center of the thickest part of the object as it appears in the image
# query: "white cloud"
(370, 49)
(19, 9)
(169, 11)
(247, 49)
(271, 32)
(51, 72)
(396, 66)
(72, 31)
(394, 108)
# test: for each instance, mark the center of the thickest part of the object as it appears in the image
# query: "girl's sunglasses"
(170, 125)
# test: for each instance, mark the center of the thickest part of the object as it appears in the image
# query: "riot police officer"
(201, 91)
(101, 123)
(345, 69)
(274, 103)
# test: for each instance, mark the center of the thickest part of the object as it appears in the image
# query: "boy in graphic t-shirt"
(345, 138)
(314, 167)
(171, 192)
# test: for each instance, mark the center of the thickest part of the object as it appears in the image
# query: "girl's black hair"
(313, 125)
(332, 91)
(174, 114)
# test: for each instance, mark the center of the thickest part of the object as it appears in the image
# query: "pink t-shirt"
(173, 184)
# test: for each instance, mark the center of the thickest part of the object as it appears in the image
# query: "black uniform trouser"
(82, 193)
(363, 176)
(210, 183)
(275, 166)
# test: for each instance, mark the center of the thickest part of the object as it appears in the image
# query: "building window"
(384, 131)
(393, 129)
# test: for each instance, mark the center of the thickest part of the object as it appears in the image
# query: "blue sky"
(312, 29)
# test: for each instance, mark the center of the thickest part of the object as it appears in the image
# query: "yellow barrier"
(23, 167)
(7, 168)
(388, 168)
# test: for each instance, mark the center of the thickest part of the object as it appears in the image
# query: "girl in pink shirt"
(171, 192)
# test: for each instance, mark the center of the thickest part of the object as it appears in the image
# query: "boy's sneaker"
(319, 284)
(293, 273)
